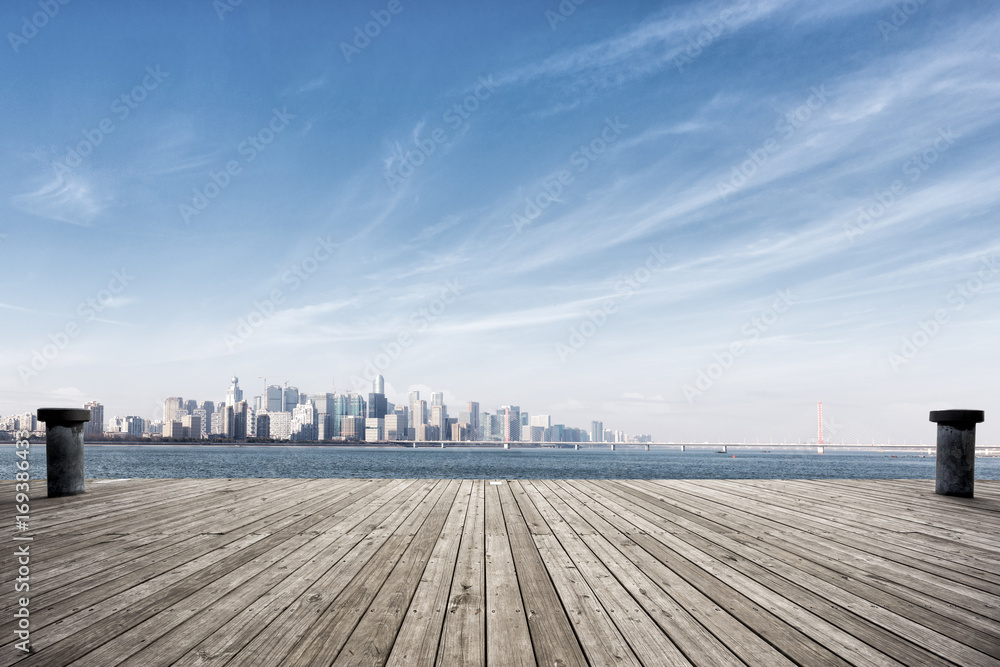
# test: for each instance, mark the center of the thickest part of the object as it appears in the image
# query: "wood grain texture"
(234, 572)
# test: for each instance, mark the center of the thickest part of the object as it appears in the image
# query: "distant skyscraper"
(191, 426)
(418, 413)
(377, 406)
(437, 399)
(291, 397)
(238, 423)
(273, 401)
(511, 415)
(264, 426)
(439, 419)
(95, 427)
(190, 405)
(473, 409)
(596, 431)
(171, 406)
(234, 394)
(356, 406)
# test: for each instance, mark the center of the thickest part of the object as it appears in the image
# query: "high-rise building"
(473, 409)
(190, 405)
(378, 386)
(596, 431)
(439, 420)
(203, 421)
(291, 398)
(95, 427)
(377, 405)
(413, 398)
(304, 422)
(171, 406)
(437, 398)
(234, 394)
(418, 413)
(191, 426)
(280, 425)
(395, 426)
(352, 427)
(511, 415)
(173, 429)
(239, 423)
(374, 429)
(263, 426)
(273, 399)
(209, 408)
(356, 405)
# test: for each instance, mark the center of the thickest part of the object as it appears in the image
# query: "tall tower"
(819, 419)
(170, 407)
(234, 394)
(378, 386)
(95, 427)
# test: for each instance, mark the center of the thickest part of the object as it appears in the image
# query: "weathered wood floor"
(554, 573)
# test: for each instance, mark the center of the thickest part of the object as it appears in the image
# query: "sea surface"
(200, 461)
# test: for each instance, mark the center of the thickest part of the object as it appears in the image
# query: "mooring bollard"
(64, 449)
(956, 451)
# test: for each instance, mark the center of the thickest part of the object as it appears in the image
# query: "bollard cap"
(63, 416)
(959, 417)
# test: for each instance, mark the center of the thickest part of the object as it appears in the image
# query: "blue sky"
(689, 219)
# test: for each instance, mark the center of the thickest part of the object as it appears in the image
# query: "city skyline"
(689, 218)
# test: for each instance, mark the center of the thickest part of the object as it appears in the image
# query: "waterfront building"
(171, 407)
(304, 422)
(511, 416)
(191, 426)
(234, 394)
(95, 427)
(353, 427)
(291, 398)
(374, 429)
(596, 431)
(263, 426)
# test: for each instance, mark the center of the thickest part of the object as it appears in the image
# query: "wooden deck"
(552, 573)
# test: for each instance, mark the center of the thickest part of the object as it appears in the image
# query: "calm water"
(306, 462)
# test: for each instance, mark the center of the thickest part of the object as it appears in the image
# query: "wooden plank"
(372, 640)
(850, 613)
(843, 568)
(140, 606)
(552, 636)
(649, 644)
(337, 600)
(601, 639)
(949, 583)
(686, 616)
(419, 636)
(508, 641)
(801, 636)
(715, 572)
(106, 592)
(463, 637)
(321, 546)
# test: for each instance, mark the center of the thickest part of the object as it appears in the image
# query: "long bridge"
(984, 450)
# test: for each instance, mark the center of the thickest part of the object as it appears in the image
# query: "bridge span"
(984, 450)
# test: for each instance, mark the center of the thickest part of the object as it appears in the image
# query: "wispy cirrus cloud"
(69, 198)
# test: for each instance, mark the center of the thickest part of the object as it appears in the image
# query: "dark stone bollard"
(64, 449)
(956, 451)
